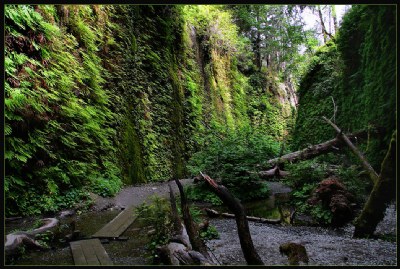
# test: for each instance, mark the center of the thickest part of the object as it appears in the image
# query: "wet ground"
(324, 246)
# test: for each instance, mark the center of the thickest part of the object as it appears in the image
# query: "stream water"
(129, 252)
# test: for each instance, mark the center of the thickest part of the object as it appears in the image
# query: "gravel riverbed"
(324, 246)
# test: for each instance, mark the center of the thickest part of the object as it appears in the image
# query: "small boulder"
(295, 252)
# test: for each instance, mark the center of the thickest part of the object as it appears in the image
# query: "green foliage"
(158, 215)
(99, 95)
(210, 233)
(201, 192)
(305, 176)
(106, 187)
(58, 131)
(356, 184)
(321, 214)
(233, 159)
(305, 172)
(316, 91)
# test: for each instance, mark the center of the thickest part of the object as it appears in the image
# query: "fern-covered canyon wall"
(97, 96)
(357, 74)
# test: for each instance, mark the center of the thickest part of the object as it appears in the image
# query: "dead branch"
(191, 227)
(246, 243)
(251, 218)
(17, 239)
(373, 175)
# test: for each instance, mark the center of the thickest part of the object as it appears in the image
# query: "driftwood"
(191, 228)
(180, 250)
(315, 150)
(214, 213)
(15, 240)
(246, 243)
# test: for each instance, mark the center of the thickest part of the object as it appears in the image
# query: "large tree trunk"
(323, 29)
(382, 193)
(315, 150)
(191, 227)
(246, 243)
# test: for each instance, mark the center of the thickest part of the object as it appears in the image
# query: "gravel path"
(324, 246)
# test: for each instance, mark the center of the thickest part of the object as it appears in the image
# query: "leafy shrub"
(158, 215)
(201, 192)
(233, 161)
(106, 187)
(210, 233)
(306, 175)
(358, 186)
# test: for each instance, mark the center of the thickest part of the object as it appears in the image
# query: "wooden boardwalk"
(118, 225)
(89, 252)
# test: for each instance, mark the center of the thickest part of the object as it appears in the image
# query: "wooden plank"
(89, 252)
(77, 253)
(102, 255)
(118, 225)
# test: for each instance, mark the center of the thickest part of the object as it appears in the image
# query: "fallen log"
(212, 212)
(274, 172)
(246, 243)
(373, 175)
(15, 240)
(315, 150)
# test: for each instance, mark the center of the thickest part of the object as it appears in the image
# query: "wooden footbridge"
(91, 251)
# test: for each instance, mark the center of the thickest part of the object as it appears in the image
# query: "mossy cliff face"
(97, 95)
(180, 82)
(59, 125)
(359, 75)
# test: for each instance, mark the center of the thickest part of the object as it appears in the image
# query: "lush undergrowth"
(234, 162)
(101, 95)
(305, 176)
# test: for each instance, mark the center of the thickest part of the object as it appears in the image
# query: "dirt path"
(136, 195)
